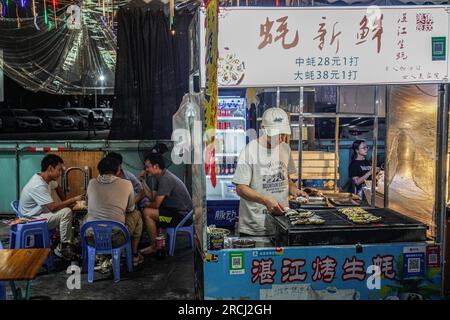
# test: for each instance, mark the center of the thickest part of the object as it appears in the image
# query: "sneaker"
(106, 266)
(137, 260)
(63, 251)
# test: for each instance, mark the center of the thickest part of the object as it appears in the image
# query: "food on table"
(301, 200)
(316, 220)
(311, 200)
(80, 205)
(302, 217)
(359, 215)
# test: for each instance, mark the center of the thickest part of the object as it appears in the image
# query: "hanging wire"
(43, 54)
(424, 92)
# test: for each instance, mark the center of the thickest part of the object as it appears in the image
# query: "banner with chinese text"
(263, 47)
(211, 88)
(323, 273)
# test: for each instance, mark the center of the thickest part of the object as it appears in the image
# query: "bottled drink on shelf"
(224, 166)
(232, 168)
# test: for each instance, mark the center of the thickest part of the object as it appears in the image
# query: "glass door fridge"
(223, 201)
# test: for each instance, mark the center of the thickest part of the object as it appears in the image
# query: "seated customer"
(139, 195)
(36, 202)
(171, 202)
(112, 198)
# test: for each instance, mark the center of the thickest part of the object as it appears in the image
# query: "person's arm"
(294, 191)
(42, 196)
(60, 193)
(360, 180)
(137, 187)
(131, 197)
(54, 207)
(249, 194)
(155, 204)
(146, 189)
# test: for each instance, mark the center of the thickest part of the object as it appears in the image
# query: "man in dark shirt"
(170, 203)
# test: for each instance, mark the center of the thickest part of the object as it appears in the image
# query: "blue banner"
(390, 272)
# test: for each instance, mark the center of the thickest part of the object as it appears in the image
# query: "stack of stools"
(33, 234)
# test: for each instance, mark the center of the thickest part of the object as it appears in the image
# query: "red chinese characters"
(291, 270)
(324, 269)
(386, 264)
(364, 30)
(262, 271)
(353, 269)
(282, 30)
(424, 22)
(323, 32)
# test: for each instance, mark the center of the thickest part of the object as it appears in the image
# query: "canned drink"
(160, 242)
(228, 125)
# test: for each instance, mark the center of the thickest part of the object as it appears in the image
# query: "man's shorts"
(170, 218)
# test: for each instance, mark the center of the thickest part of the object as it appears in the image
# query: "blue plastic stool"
(15, 207)
(20, 236)
(172, 232)
(103, 245)
(2, 284)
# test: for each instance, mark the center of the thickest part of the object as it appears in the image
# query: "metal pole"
(278, 97)
(386, 151)
(375, 151)
(441, 169)
(17, 172)
(300, 138)
(441, 161)
(336, 153)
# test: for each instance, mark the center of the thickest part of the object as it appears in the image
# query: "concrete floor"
(168, 279)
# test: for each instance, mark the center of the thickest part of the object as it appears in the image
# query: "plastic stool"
(172, 232)
(2, 284)
(20, 236)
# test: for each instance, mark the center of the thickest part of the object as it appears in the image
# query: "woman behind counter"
(360, 168)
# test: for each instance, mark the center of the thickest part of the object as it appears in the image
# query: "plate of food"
(80, 205)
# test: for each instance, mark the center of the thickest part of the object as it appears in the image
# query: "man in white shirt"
(36, 202)
(262, 176)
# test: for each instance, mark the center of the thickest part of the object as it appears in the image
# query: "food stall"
(334, 249)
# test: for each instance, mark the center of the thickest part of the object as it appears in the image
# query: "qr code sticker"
(236, 263)
(433, 258)
(414, 265)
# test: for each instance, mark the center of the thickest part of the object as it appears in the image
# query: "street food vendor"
(262, 175)
(360, 169)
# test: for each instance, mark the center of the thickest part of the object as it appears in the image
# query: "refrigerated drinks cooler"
(223, 201)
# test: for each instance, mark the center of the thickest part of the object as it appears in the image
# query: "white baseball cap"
(276, 121)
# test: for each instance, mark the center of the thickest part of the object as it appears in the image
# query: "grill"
(337, 230)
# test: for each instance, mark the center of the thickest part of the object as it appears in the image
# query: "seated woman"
(360, 168)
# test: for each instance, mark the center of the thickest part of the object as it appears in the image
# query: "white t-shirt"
(35, 197)
(267, 172)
